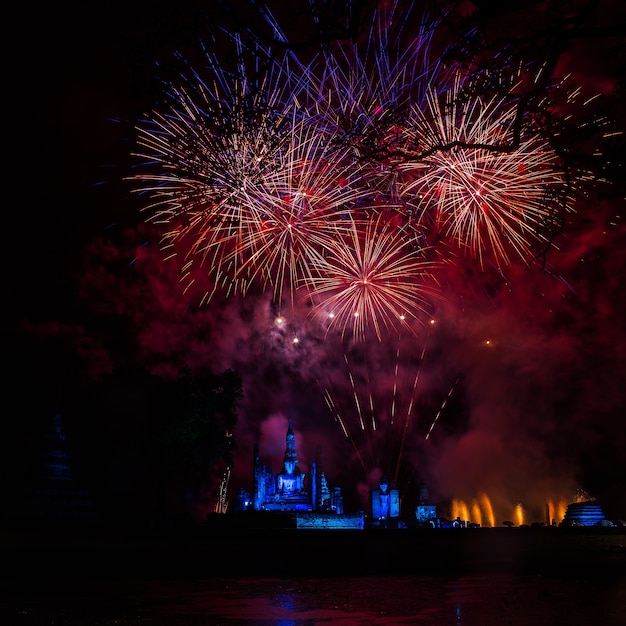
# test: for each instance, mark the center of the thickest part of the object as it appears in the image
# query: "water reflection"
(484, 600)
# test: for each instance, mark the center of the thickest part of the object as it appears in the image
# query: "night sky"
(510, 384)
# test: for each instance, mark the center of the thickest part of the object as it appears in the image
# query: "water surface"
(498, 599)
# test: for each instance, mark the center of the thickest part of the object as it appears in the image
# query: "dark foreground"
(284, 577)
(203, 552)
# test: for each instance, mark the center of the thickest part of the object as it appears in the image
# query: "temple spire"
(290, 447)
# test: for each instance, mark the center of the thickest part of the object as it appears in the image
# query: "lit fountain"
(480, 511)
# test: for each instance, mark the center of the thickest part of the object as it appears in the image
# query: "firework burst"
(476, 185)
(205, 156)
(300, 210)
(372, 278)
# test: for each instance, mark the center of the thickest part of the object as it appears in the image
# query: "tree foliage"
(196, 431)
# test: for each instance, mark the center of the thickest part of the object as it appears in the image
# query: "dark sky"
(519, 383)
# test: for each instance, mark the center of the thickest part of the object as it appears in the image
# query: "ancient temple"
(426, 511)
(289, 490)
(305, 496)
(54, 497)
(384, 504)
(586, 513)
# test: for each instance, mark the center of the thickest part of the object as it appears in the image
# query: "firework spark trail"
(373, 421)
(372, 412)
(395, 383)
(346, 431)
(333, 410)
(409, 410)
(441, 408)
(365, 408)
(357, 402)
(355, 394)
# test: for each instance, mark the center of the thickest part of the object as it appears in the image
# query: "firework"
(373, 278)
(300, 210)
(371, 390)
(338, 187)
(363, 97)
(205, 155)
(281, 181)
(474, 184)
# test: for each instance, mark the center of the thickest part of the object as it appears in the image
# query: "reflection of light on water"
(467, 600)
(286, 601)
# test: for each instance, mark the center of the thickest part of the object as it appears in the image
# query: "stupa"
(587, 513)
(54, 498)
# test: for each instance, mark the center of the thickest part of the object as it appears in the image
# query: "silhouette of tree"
(193, 441)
